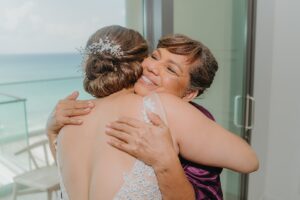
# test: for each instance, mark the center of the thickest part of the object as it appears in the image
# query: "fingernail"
(79, 121)
(75, 93)
(90, 104)
(107, 129)
(87, 109)
(110, 142)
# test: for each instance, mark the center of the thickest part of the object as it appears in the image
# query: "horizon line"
(39, 53)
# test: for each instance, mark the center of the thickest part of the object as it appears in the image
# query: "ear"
(190, 94)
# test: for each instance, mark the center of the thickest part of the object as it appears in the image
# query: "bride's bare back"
(90, 167)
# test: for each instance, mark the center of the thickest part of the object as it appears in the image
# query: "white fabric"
(141, 183)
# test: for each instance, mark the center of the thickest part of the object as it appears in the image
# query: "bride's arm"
(203, 141)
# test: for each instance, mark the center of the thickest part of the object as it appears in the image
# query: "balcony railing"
(24, 109)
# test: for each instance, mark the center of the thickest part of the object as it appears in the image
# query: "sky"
(54, 26)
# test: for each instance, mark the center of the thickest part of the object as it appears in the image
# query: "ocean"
(39, 81)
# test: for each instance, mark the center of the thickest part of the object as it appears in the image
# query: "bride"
(92, 169)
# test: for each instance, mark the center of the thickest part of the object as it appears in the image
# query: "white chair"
(43, 178)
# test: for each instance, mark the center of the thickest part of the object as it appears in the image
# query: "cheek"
(139, 89)
(171, 85)
(176, 86)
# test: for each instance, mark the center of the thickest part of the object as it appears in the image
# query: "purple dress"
(205, 179)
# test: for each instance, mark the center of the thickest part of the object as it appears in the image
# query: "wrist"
(164, 165)
(51, 133)
(52, 137)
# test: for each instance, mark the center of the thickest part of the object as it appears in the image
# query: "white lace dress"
(140, 183)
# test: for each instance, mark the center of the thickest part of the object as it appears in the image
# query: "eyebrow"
(171, 61)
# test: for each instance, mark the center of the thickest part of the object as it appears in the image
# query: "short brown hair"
(204, 64)
(107, 73)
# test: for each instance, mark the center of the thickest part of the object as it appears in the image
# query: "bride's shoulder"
(166, 98)
(129, 101)
(131, 97)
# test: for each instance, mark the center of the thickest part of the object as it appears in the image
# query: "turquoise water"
(40, 79)
(27, 67)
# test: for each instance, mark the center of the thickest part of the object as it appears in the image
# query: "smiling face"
(164, 72)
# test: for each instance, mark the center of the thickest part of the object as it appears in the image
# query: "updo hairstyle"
(114, 56)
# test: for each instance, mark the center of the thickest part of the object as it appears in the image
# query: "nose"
(152, 68)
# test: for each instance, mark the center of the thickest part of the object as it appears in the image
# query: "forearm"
(52, 140)
(154, 145)
(173, 182)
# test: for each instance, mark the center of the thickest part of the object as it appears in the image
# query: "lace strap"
(153, 104)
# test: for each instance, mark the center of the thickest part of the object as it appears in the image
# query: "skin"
(170, 77)
(162, 72)
(154, 145)
(165, 72)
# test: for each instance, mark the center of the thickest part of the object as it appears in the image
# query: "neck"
(123, 91)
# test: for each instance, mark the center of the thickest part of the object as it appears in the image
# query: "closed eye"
(170, 69)
(153, 56)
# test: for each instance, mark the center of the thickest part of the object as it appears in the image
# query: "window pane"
(40, 63)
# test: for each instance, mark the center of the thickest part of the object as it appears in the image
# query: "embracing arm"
(153, 144)
(63, 114)
(171, 177)
(172, 180)
(203, 141)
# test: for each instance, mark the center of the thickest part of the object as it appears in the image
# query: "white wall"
(276, 136)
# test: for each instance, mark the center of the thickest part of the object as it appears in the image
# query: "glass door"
(222, 26)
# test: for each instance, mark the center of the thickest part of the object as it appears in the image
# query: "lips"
(146, 85)
(146, 80)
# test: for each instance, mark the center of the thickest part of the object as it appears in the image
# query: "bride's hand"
(63, 112)
(152, 144)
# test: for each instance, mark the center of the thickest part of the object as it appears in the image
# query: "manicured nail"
(87, 109)
(107, 129)
(110, 142)
(90, 104)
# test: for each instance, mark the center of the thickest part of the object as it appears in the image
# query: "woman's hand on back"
(153, 144)
(65, 111)
(63, 114)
